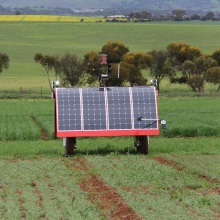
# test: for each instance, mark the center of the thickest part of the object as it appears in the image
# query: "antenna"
(118, 70)
(106, 70)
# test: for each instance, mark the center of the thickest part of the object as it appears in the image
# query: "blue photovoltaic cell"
(115, 108)
(69, 114)
(94, 113)
(119, 108)
(144, 107)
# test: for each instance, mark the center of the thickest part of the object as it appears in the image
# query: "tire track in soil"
(102, 195)
(180, 167)
(38, 194)
(3, 197)
(39, 197)
(44, 134)
(21, 206)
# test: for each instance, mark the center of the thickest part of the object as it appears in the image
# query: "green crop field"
(23, 119)
(21, 40)
(106, 178)
(180, 175)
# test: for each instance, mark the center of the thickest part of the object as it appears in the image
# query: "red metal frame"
(106, 133)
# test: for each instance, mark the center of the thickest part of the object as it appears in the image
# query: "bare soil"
(44, 134)
(102, 195)
(180, 167)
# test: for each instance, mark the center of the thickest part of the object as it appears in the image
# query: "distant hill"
(204, 5)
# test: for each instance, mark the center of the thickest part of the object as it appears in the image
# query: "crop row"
(46, 123)
(18, 127)
(26, 119)
(164, 190)
(42, 189)
(55, 188)
(17, 119)
(190, 117)
(25, 127)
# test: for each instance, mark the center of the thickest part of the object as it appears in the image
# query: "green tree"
(179, 52)
(4, 61)
(197, 69)
(137, 62)
(161, 66)
(195, 17)
(146, 15)
(57, 66)
(48, 63)
(212, 75)
(178, 14)
(140, 60)
(92, 65)
(114, 50)
(209, 16)
(196, 82)
(123, 77)
(129, 75)
(71, 69)
(204, 62)
(188, 68)
(216, 56)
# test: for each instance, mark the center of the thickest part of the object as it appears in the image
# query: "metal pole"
(70, 145)
(118, 70)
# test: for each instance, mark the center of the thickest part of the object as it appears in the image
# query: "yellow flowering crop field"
(50, 18)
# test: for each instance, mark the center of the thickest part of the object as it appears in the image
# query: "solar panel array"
(106, 112)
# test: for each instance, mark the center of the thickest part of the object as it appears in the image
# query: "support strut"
(141, 143)
(69, 145)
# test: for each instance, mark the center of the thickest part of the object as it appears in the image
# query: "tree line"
(176, 15)
(181, 62)
(130, 14)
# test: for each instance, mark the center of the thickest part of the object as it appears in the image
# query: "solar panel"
(112, 111)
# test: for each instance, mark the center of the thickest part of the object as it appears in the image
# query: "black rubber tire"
(143, 144)
(70, 146)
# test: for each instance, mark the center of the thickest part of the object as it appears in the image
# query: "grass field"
(178, 179)
(24, 119)
(106, 178)
(22, 40)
